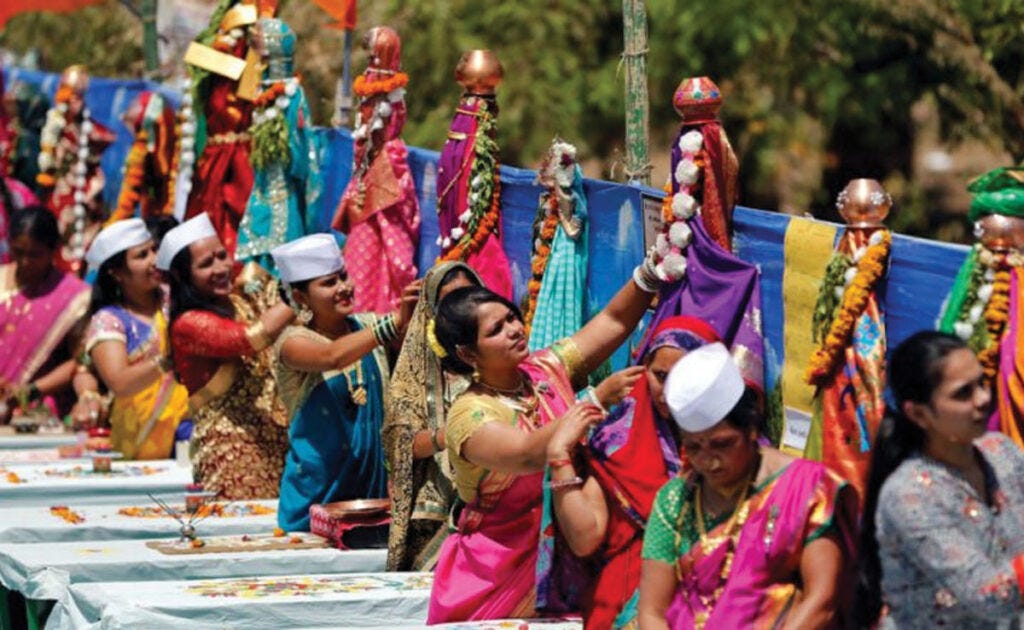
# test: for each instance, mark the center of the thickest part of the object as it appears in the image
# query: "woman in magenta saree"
(750, 537)
(39, 306)
(497, 436)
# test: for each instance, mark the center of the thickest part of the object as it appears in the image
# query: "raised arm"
(599, 338)
(207, 334)
(307, 354)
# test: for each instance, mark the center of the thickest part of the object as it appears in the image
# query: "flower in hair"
(432, 341)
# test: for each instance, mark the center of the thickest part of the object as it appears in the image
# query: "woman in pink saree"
(751, 537)
(497, 437)
(39, 306)
(379, 210)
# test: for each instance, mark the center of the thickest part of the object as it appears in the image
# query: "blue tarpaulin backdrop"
(920, 276)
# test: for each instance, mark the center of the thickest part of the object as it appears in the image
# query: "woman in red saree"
(497, 436)
(750, 537)
(631, 454)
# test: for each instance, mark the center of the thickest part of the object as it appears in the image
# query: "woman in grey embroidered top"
(943, 536)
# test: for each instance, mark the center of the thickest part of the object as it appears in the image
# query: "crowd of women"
(653, 498)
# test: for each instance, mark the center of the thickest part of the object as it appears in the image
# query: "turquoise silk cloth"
(284, 204)
(562, 301)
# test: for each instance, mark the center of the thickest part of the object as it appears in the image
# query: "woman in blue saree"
(332, 373)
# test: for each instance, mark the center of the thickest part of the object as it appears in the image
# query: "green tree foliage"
(559, 60)
(817, 91)
(106, 37)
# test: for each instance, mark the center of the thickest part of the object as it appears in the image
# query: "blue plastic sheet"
(920, 276)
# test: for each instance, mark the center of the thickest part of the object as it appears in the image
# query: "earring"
(476, 375)
(303, 314)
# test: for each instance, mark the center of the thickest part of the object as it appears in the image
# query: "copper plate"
(358, 507)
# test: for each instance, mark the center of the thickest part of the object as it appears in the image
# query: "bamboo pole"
(149, 37)
(343, 90)
(638, 165)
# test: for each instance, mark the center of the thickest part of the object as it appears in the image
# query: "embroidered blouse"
(203, 340)
(948, 557)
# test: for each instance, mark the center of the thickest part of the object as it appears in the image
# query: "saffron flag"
(10, 8)
(343, 11)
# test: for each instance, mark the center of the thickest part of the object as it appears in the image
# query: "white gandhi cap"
(116, 238)
(703, 387)
(307, 258)
(195, 229)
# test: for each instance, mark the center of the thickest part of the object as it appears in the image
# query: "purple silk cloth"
(725, 292)
(453, 176)
(456, 158)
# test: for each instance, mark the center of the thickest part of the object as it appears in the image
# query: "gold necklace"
(518, 390)
(523, 395)
(708, 544)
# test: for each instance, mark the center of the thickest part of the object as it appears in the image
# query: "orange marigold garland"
(870, 269)
(472, 242)
(131, 185)
(540, 259)
(997, 313)
(363, 87)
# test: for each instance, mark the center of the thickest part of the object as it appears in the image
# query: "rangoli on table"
(78, 472)
(256, 588)
(218, 510)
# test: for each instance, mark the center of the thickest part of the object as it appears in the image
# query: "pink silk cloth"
(487, 569)
(1009, 412)
(381, 244)
(792, 510)
(21, 197)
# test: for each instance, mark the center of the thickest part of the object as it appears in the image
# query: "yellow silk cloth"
(807, 248)
(849, 408)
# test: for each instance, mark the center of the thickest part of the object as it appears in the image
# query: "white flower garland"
(56, 121)
(279, 105)
(79, 170)
(186, 152)
(676, 235)
(965, 326)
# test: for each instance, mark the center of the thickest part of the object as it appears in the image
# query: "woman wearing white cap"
(127, 342)
(220, 346)
(750, 537)
(333, 371)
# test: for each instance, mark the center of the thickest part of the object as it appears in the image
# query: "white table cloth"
(74, 482)
(14, 456)
(104, 522)
(285, 601)
(44, 570)
(9, 440)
